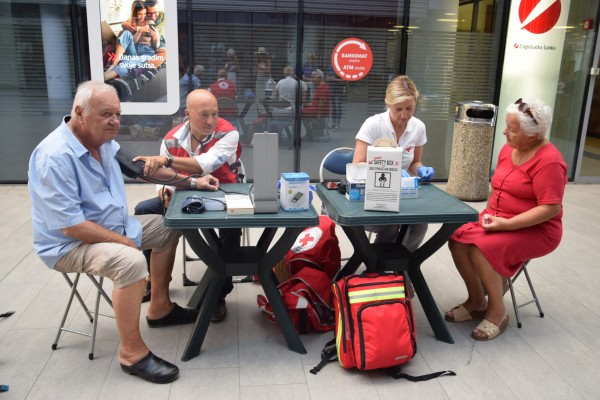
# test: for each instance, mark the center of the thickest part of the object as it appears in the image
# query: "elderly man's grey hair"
(317, 73)
(86, 90)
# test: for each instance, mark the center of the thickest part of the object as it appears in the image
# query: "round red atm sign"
(352, 59)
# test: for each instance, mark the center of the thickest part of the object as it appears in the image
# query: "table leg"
(267, 280)
(215, 276)
(358, 237)
(212, 284)
(351, 266)
(428, 303)
(422, 289)
(196, 300)
(198, 333)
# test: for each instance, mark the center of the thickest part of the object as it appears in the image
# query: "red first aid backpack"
(313, 261)
(317, 247)
(374, 325)
(306, 296)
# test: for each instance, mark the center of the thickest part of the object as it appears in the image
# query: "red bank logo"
(539, 16)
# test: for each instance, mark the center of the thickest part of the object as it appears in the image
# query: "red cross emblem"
(306, 239)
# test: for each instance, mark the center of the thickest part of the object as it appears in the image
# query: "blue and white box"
(356, 177)
(409, 188)
(293, 193)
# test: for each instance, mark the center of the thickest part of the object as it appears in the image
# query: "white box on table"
(409, 188)
(356, 178)
(384, 174)
(293, 193)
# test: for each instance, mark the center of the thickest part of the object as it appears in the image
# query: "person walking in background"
(232, 67)
(308, 68)
(263, 73)
(337, 89)
(522, 219)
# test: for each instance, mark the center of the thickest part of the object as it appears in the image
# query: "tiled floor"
(557, 357)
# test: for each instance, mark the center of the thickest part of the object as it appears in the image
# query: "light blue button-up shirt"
(67, 186)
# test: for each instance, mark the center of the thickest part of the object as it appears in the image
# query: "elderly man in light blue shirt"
(81, 224)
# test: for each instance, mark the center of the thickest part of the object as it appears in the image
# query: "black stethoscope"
(202, 143)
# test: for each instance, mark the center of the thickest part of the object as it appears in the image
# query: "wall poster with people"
(133, 47)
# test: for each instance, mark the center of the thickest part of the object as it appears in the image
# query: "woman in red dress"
(522, 219)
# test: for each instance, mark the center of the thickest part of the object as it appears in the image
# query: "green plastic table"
(432, 206)
(199, 230)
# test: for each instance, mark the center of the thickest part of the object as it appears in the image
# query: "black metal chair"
(281, 118)
(228, 110)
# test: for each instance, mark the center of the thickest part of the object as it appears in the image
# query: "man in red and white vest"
(224, 88)
(204, 144)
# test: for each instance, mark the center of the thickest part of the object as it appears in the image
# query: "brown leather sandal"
(461, 314)
(487, 330)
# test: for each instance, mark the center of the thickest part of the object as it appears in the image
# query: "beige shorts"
(121, 264)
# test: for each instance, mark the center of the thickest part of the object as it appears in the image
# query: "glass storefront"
(453, 50)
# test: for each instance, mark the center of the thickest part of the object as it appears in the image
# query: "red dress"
(517, 189)
(319, 104)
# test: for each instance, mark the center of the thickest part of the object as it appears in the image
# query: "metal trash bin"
(472, 150)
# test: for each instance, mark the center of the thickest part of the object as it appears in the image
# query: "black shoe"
(177, 316)
(153, 369)
(147, 293)
(220, 311)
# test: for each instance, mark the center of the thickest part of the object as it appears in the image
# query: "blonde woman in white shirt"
(399, 124)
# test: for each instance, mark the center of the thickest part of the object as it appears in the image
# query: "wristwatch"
(192, 183)
(169, 160)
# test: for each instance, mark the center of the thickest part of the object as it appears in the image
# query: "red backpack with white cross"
(317, 247)
(313, 261)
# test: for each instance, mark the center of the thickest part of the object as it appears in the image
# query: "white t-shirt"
(379, 126)
(287, 88)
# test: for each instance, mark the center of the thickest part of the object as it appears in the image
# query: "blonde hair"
(400, 89)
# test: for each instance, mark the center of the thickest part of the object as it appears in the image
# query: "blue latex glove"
(405, 174)
(425, 173)
(311, 189)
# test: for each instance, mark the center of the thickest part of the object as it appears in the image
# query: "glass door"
(576, 126)
(588, 166)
